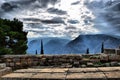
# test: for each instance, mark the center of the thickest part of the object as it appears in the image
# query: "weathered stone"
(83, 66)
(5, 70)
(70, 60)
(16, 59)
(18, 64)
(35, 63)
(50, 61)
(76, 64)
(89, 64)
(113, 63)
(9, 60)
(62, 60)
(2, 65)
(12, 64)
(43, 59)
(53, 76)
(86, 76)
(103, 73)
(69, 66)
(109, 69)
(113, 75)
(107, 64)
(118, 63)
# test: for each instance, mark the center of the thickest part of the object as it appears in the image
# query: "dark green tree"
(36, 52)
(13, 39)
(87, 51)
(102, 47)
(41, 51)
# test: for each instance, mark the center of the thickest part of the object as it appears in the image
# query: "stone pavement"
(100, 73)
(5, 70)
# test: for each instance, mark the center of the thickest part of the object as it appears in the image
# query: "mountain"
(51, 45)
(76, 46)
(93, 42)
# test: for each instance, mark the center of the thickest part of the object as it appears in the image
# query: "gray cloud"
(73, 21)
(56, 11)
(75, 3)
(55, 20)
(7, 6)
(71, 27)
(107, 16)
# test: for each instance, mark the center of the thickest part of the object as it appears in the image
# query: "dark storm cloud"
(71, 27)
(7, 6)
(75, 3)
(56, 11)
(50, 21)
(88, 20)
(107, 16)
(112, 16)
(55, 20)
(73, 21)
(114, 7)
(31, 19)
(58, 19)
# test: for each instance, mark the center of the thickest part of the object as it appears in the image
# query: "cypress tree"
(102, 47)
(36, 52)
(87, 51)
(42, 51)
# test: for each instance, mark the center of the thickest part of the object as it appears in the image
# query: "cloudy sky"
(63, 18)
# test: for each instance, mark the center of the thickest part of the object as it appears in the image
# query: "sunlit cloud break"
(63, 18)
(51, 18)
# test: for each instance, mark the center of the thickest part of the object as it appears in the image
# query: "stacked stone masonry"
(63, 61)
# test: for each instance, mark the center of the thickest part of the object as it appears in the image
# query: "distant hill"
(51, 45)
(76, 46)
(93, 42)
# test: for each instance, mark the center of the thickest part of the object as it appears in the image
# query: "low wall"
(66, 61)
(24, 61)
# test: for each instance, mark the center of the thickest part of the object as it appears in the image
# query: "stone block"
(12, 64)
(50, 76)
(2, 65)
(43, 59)
(16, 59)
(113, 63)
(113, 75)
(107, 64)
(17, 63)
(62, 60)
(86, 76)
(76, 64)
(83, 66)
(9, 60)
(4, 71)
(89, 64)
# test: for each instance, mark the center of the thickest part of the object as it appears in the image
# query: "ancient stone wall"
(63, 61)
(24, 61)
